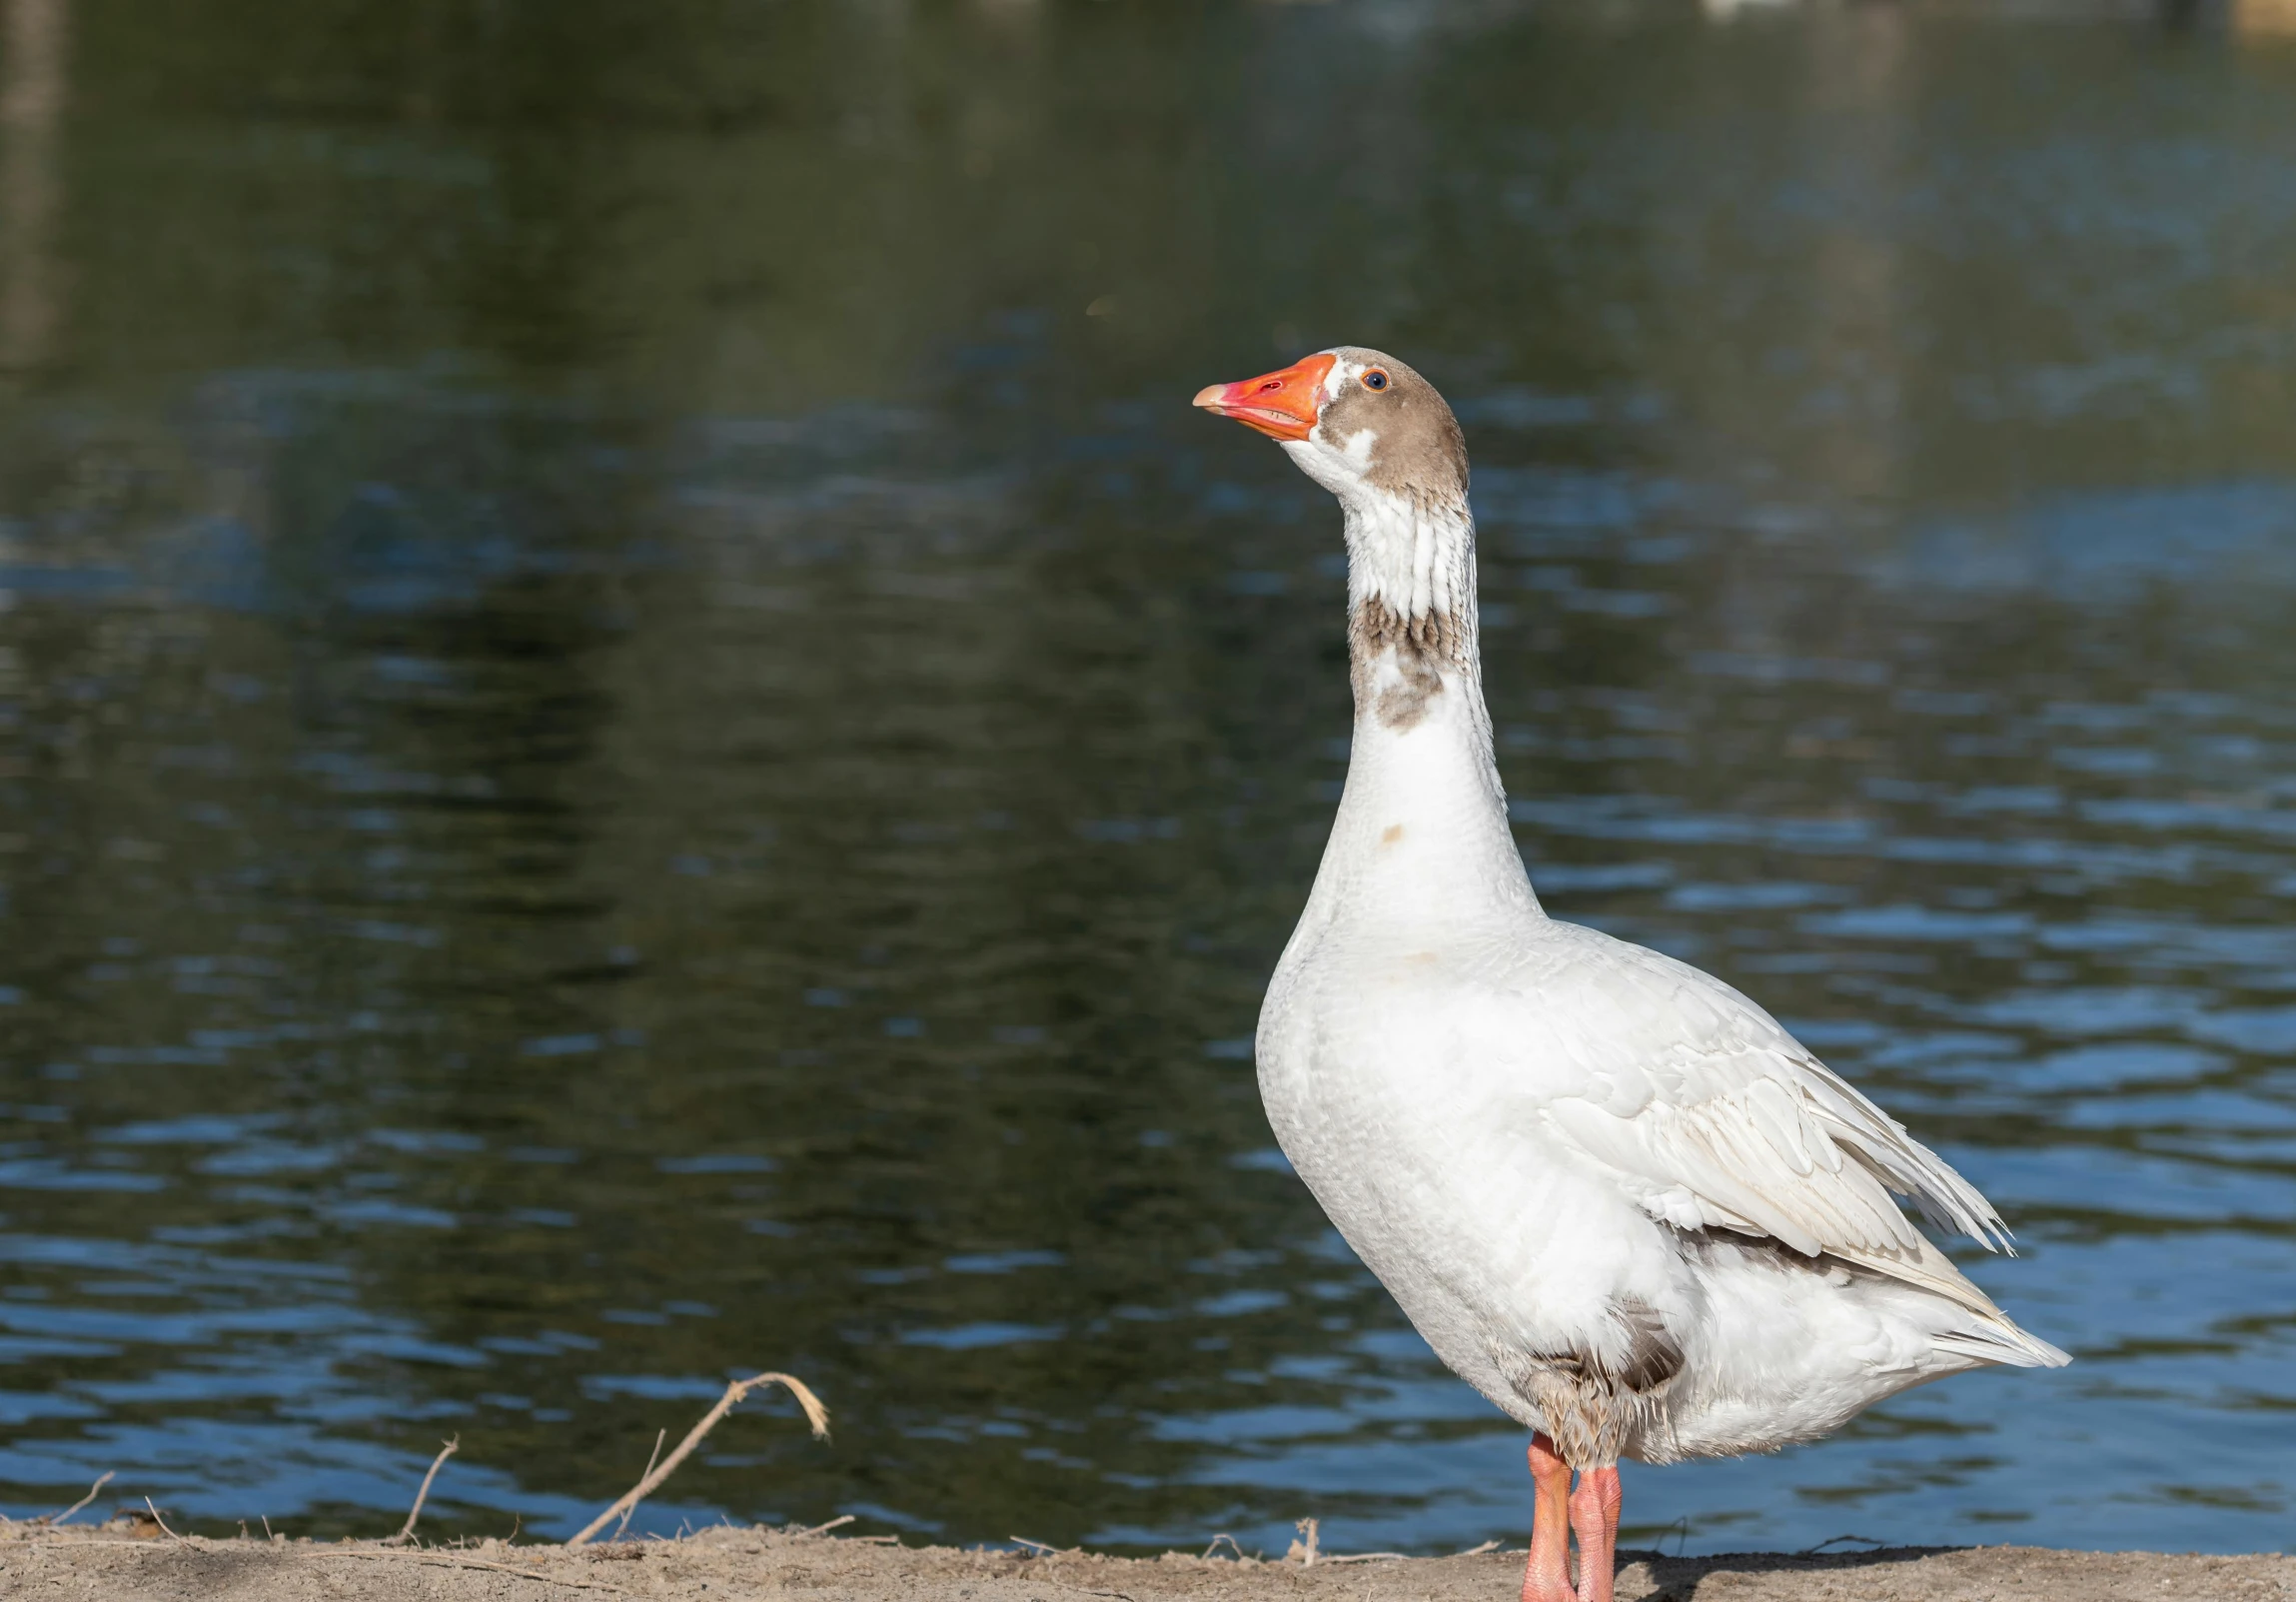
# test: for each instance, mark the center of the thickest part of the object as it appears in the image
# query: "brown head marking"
(1420, 451)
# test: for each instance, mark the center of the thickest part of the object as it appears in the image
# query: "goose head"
(1358, 422)
(1378, 435)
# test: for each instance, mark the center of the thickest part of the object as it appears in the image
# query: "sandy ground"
(729, 1565)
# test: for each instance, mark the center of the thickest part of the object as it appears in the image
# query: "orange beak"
(1282, 406)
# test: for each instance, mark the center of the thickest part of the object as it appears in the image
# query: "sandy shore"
(729, 1565)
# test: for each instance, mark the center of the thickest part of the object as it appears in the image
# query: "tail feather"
(1990, 1335)
(2004, 1344)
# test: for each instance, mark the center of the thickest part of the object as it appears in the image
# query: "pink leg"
(1595, 1516)
(1548, 1579)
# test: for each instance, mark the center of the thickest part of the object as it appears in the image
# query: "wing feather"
(1709, 1114)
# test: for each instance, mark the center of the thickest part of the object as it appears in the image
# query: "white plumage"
(1615, 1194)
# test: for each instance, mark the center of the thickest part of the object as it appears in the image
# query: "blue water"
(640, 740)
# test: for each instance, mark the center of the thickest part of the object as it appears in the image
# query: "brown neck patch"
(1423, 648)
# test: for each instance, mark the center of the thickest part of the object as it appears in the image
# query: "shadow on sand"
(1676, 1579)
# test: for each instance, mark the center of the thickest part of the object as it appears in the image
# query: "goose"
(1612, 1193)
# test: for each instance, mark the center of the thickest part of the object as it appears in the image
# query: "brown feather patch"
(1595, 1407)
(1423, 648)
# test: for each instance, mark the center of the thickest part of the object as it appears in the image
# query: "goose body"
(1614, 1195)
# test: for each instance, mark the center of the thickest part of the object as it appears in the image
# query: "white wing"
(1697, 1102)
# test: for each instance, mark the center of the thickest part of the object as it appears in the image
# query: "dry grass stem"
(406, 1533)
(815, 1414)
(161, 1522)
(1304, 1547)
(822, 1529)
(652, 1458)
(102, 1480)
(445, 1560)
(1477, 1551)
(1366, 1558)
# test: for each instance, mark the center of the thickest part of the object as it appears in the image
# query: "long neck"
(1421, 838)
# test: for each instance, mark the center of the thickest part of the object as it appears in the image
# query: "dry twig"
(53, 1519)
(1836, 1540)
(406, 1533)
(822, 1529)
(161, 1522)
(816, 1415)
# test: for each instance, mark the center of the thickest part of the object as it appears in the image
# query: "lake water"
(641, 738)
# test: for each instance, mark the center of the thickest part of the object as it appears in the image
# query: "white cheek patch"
(1359, 448)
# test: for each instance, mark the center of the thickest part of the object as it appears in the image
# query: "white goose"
(1614, 1195)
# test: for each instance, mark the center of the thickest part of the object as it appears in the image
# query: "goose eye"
(1375, 380)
